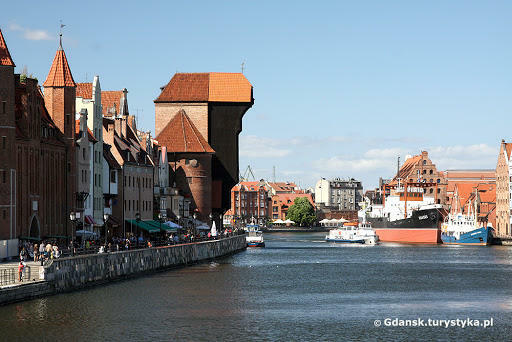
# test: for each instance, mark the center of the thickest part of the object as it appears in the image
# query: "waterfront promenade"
(71, 273)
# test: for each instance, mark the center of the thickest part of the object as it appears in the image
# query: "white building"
(342, 194)
(88, 96)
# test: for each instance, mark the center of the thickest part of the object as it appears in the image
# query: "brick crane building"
(214, 104)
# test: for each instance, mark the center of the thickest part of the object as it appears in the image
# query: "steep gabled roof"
(84, 90)
(60, 73)
(207, 87)
(181, 135)
(5, 56)
(406, 168)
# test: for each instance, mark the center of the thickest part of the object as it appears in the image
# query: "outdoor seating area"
(333, 222)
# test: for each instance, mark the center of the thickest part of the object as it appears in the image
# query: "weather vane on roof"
(60, 34)
(243, 66)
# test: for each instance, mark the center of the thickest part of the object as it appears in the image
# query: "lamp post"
(160, 216)
(137, 218)
(72, 218)
(194, 224)
(105, 219)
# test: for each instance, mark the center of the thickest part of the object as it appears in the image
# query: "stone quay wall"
(72, 273)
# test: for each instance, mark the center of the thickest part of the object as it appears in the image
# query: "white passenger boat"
(254, 236)
(363, 234)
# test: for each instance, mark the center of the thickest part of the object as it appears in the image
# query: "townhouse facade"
(88, 96)
(503, 190)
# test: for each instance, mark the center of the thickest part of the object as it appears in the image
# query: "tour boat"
(254, 236)
(407, 216)
(463, 229)
(363, 233)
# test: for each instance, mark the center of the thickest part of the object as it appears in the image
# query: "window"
(112, 176)
(424, 162)
(4, 105)
(4, 176)
(438, 180)
(4, 143)
(431, 171)
(5, 214)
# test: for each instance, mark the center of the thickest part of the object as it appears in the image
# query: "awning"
(112, 221)
(29, 238)
(89, 220)
(144, 226)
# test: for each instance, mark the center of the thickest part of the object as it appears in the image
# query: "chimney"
(108, 132)
(123, 110)
(123, 126)
(83, 121)
(117, 126)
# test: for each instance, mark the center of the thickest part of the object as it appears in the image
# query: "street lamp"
(105, 219)
(160, 216)
(194, 224)
(137, 218)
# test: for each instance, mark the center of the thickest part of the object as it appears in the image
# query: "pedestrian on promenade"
(36, 252)
(21, 266)
(23, 255)
(41, 250)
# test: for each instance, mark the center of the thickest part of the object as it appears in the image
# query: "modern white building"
(342, 194)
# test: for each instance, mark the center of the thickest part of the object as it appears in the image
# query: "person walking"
(36, 252)
(20, 271)
(23, 255)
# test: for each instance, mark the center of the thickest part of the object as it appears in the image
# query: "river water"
(298, 288)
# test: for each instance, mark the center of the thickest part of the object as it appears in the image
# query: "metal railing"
(11, 275)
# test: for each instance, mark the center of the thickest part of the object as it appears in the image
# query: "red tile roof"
(60, 74)
(288, 199)
(5, 56)
(207, 87)
(508, 148)
(84, 90)
(111, 101)
(406, 169)
(181, 135)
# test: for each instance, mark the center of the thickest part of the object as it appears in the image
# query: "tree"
(301, 212)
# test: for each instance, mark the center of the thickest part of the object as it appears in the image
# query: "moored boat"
(363, 234)
(254, 236)
(407, 216)
(464, 229)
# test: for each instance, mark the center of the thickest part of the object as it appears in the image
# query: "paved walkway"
(9, 273)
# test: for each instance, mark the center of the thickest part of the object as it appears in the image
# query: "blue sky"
(341, 88)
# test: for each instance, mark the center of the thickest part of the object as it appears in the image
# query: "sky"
(341, 88)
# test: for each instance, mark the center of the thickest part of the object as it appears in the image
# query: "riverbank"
(295, 229)
(69, 274)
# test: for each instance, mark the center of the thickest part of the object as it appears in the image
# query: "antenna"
(243, 65)
(398, 167)
(274, 173)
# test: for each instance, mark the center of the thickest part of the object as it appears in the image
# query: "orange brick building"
(282, 202)
(37, 167)
(420, 169)
(503, 190)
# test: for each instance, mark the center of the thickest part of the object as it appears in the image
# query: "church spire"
(5, 56)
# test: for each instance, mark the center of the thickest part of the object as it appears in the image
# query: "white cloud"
(462, 157)
(31, 34)
(376, 163)
(257, 147)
